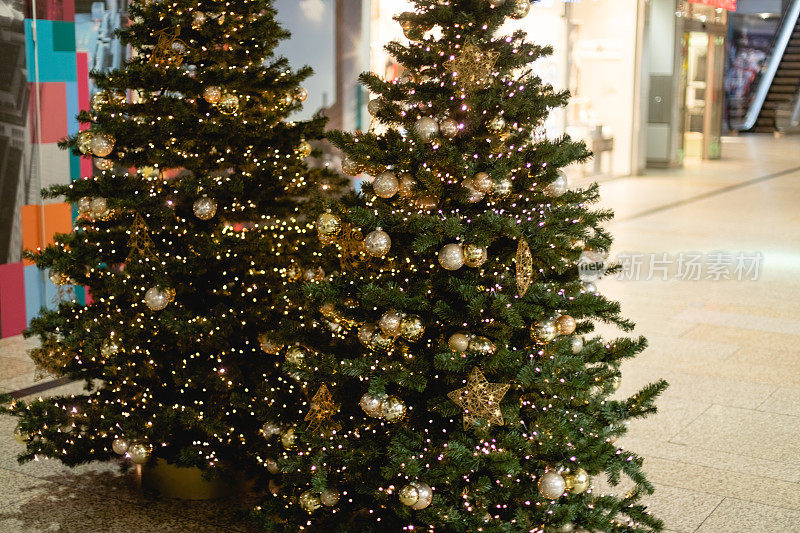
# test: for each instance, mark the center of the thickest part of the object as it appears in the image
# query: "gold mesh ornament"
(480, 399)
(473, 67)
(140, 243)
(352, 254)
(165, 52)
(524, 262)
(322, 409)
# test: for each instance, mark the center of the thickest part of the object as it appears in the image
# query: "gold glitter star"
(480, 399)
(473, 66)
(322, 410)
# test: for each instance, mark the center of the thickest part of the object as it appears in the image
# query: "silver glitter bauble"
(98, 207)
(386, 185)
(449, 128)
(228, 103)
(120, 446)
(577, 344)
(205, 208)
(156, 298)
(393, 409)
(521, 9)
(329, 497)
(374, 106)
(589, 287)
(426, 128)
(309, 501)
(350, 167)
(140, 453)
(502, 187)
(371, 404)
(102, 144)
(551, 485)
(365, 334)
(558, 186)
(390, 323)
(459, 342)
(269, 429)
(377, 243)
(84, 204)
(451, 256)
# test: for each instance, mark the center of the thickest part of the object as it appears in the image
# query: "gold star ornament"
(322, 410)
(472, 67)
(480, 399)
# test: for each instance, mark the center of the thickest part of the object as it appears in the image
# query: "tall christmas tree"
(449, 380)
(182, 241)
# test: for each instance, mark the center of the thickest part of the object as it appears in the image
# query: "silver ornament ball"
(393, 409)
(449, 128)
(390, 323)
(551, 485)
(558, 186)
(378, 243)
(139, 453)
(459, 342)
(386, 185)
(473, 195)
(156, 298)
(451, 256)
(329, 497)
(426, 128)
(120, 446)
(371, 404)
(205, 208)
(102, 144)
(576, 343)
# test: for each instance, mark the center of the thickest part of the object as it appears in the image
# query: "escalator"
(777, 87)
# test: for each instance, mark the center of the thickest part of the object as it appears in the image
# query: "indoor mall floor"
(723, 452)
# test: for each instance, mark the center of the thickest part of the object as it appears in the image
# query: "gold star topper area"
(473, 66)
(480, 399)
(322, 410)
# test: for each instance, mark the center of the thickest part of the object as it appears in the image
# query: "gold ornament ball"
(102, 144)
(474, 255)
(288, 439)
(521, 9)
(451, 256)
(577, 482)
(393, 409)
(412, 328)
(304, 149)
(407, 185)
(140, 453)
(310, 501)
(300, 94)
(386, 185)
(103, 164)
(390, 323)
(473, 195)
(228, 104)
(20, 436)
(412, 31)
(427, 202)
(287, 99)
(328, 224)
(481, 345)
(426, 128)
(84, 142)
(551, 485)
(365, 334)
(57, 278)
(109, 347)
(459, 342)
(496, 124)
(156, 298)
(205, 208)
(329, 497)
(502, 188)
(449, 128)
(350, 167)
(212, 94)
(616, 383)
(98, 207)
(482, 182)
(198, 19)
(408, 495)
(120, 446)
(378, 243)
(371, 405)
(295, 355)
(381, 341)
(99, 100)
(565, 324)
(374, 106)
(407, 77)
(545, 330)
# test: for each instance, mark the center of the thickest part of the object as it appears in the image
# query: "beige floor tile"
(726, 483)
(673, 416)
(769, 324)
(681, 510)
(737, 516)
(785, 400)
(745, 432)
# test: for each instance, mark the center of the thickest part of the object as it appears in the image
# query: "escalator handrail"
(788, 24)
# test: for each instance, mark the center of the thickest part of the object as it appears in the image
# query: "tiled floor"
(724, 452)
